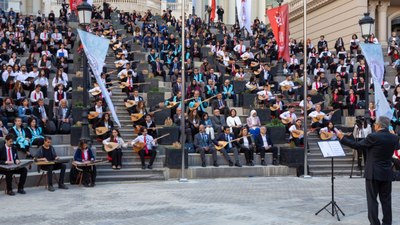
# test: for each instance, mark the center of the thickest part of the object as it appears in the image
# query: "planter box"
(277, 134)
(159, 117)
(292, 157)
(173, 158)
(75, 135)
(77, 81)
(173, 132)
(247, 100)
(153, 98)
(77, 97)
(77, 114)
(264, 115)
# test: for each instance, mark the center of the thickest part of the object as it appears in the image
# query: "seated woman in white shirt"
(58, 79)
(329, 132)
(233, 121)
(43, 81)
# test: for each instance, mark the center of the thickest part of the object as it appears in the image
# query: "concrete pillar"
(231, 13)
(382, 20)
(372, 11)
(261, 5)
(225, 6)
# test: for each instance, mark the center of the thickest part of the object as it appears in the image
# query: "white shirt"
(265, 142)
(35, 96)
(335, 130)
(315, 114)
(287, 115)
(125, 72)
(22, 77)
(120, 142)
(43, 81)
(288, 83)
(233, 121)
(62, 53)
(239, 48)
(56, 36)
(266, 93)
(292, 128)
(33, 74)
(149, 141)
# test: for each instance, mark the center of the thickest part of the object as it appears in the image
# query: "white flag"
(244, 13)
(96, 50)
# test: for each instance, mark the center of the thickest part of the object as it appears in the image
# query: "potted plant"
(276, 131)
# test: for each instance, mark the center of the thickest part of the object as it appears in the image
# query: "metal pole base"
(306, 176)
(183, 180)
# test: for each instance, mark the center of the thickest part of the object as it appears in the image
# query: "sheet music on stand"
(331, 149)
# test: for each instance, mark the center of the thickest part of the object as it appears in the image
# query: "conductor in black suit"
(378, 169)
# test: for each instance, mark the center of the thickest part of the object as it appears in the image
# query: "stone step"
(134, 175)
(195, 159)
(131, 165)
(246, 171)
(327, 173)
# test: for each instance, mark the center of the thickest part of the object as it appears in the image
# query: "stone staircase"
(320, 166)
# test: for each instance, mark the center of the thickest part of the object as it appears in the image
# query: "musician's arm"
(123, 144)
(328, 116)
(106, 141)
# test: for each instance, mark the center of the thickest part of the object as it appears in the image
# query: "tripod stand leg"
(339, 209)
(325, 207)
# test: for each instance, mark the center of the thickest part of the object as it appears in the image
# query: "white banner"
(244, 14)
(96, 50)
(374, 57)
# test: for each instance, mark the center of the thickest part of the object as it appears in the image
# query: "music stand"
(331, 149)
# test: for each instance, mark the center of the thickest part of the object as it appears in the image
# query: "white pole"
(182, 128)
(305, 87)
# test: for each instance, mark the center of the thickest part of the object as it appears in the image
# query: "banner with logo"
(244, 13)
(374, 57)
(279, 19)
(96, 50)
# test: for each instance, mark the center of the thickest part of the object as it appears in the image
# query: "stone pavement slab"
(247, 201)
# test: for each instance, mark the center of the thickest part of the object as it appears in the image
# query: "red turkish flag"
(279, 20)
(74, 4)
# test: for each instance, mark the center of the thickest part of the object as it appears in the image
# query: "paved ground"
(272, 201)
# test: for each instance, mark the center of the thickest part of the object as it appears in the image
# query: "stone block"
(239, 86)
(173, 158)
(247, 100)
(292, 157)
(173, 132)
(264, 115)
(153, 98)
(159, 117)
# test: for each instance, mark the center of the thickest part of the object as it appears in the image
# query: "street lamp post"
(85, 15)
(366, 24)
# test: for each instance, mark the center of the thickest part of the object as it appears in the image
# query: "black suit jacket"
(221, 137)
(38, 115)
(3, 154)
(380, 146)
(259, 141)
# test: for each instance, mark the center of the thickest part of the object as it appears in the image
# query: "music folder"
(331, 149)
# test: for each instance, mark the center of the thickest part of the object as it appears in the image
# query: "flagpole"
(305, 89)
(182, 125)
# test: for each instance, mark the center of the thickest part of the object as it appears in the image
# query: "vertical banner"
(244, 13)
(213, 6)
(96, 50)
(374, 57)
(279, 19)
(74, 4)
